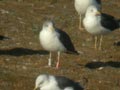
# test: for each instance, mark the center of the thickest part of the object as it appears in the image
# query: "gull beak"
(98, 13)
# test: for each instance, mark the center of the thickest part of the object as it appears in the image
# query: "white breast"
(93, 26)
(51, 85)
(50, 41)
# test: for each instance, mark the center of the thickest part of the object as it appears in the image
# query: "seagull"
(51, 82)
(55, 40)
(99, 24)
(81, 7)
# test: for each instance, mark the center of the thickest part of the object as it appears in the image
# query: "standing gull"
(97, 23)
(81, 7)
(50, 82)
(55, 40)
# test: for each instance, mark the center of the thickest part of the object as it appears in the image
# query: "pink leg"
(58, 61)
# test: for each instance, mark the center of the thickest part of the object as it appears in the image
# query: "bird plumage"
(55, 40)
(98, 1)
(97, 23)
(81, 7)
(65, 82)
(109, 22)
(51, 82)
(66, 41)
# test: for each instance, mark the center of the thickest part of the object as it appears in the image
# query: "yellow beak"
(98, 13)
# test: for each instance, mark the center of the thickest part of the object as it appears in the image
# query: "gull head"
(41, 81)
(48, 25)
(92, 11)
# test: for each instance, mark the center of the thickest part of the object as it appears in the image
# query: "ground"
(22, 58)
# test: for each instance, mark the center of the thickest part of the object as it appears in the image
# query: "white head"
(41, 81)
(92, 11)
(48, 25)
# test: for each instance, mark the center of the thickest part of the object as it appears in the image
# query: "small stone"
(24, 67)
(100, 68)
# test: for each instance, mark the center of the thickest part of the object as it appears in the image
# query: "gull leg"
(101, 39)
(58, 60)
(49, 60)
(95, 46)
(80, 22)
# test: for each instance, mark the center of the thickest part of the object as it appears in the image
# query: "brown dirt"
(22, 58)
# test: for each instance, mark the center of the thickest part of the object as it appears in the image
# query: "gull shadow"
(95, 65)
(22, 51)
(117, 43)
(3, 37)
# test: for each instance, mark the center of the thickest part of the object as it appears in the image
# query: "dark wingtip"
(119, 22)
(77, 53)
(73, 52)
(4, 37)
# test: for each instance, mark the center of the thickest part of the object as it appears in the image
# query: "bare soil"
(22, 58)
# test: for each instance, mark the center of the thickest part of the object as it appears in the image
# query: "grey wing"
(64, 82)
(66, 41)
(98, 1)
(109, 22)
